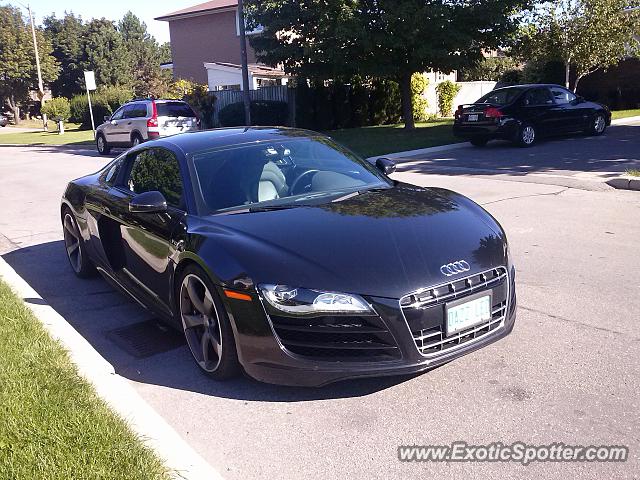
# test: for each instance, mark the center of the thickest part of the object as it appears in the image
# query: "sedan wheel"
(599, 125)
(206, 327)
(74, 245)
(527, 136)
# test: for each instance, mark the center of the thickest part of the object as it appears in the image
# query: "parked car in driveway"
(4, 121)
(279, 252)
(142, 120)
(525, 113)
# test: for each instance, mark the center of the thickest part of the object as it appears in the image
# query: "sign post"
(90, 82)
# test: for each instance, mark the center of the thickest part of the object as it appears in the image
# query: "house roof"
(200, 9)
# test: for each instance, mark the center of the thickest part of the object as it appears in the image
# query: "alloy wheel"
(600, 124)
(72, 242)
(100, 144)
(201, 323)
(136, 141)
(528, 135)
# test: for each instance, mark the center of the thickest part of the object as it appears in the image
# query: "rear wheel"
(102, 145)
(136, 140)
(479, 142)
(74, 245)
(527, 135)
(206, 326)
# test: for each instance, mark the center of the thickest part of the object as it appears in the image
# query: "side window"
(136, 110)
(112, 173)
(157, 169)
(538, 96)
(562, 96)
(119, 113)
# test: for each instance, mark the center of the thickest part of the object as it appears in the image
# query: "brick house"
(205, 47)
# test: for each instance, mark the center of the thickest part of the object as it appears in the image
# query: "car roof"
(224, 137)
(531, 85)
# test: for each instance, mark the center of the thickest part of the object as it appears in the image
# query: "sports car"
(284, 255)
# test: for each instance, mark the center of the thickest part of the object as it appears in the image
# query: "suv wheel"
(136, 140)
(102, 145)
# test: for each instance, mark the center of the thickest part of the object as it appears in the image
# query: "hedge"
(263, 112)
(104, 101)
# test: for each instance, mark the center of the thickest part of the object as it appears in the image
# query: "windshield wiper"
(273, 208)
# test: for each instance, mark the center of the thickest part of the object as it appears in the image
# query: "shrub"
(384, 102)
(447, 92)
(419, 84)
(57, 109)
(263, 112)
(104, 101)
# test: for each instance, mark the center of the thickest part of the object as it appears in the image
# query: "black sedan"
(279, 252)
(4, 121)
(524, 113)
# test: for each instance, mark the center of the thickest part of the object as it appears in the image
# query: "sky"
(146, 10)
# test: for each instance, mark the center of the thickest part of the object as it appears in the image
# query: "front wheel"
(598, 125)
(206, 326)
(102, 145)
(74, 245)
(527, 135)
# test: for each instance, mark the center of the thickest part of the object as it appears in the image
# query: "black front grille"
(337, 338)
(425, 310)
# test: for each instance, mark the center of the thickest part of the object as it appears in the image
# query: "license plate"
(468, 312)
(472, 118)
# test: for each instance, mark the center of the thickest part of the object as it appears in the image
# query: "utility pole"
(246, 95)
(35, 47)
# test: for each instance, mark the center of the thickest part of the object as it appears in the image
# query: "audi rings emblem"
(455, 268)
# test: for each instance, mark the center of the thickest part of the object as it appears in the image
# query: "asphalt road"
(568, 373)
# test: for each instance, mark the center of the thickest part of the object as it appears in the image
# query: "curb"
(625, 120)
(115, 390)
(625, 183)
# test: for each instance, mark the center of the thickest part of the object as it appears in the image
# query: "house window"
(267, 82)
(256, 31)
(219, 88)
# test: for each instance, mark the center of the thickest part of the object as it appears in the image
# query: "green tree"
(489, 69)
(105, 52)
(59, 110)
(18, 74)
(586, 35)
(67, 37)
(146, 55)
(386, 38)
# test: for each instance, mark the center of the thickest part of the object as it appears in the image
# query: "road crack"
(528, 196)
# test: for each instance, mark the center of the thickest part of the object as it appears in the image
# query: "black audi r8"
(525, 113)
(281, 253)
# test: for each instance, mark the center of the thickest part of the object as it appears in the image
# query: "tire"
(201, 314)
(74, 244)
(479, 142)
(136, 139)
(102, 145)
(598, 125)
(527, 135)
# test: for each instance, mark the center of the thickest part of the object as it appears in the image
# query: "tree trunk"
(407, 102)
(567, 73)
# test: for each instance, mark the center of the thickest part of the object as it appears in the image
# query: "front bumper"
(265, 358)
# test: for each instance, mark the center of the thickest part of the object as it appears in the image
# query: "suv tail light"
(492, 112)
(153, 121)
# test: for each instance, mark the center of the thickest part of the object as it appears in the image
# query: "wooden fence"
(280, 93)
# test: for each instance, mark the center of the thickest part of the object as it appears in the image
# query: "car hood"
(384, 243)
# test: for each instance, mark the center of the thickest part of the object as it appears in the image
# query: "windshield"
(502, 96)
(289, 172)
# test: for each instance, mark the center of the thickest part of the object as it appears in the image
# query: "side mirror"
(148, 202)
(107, 118)
(386, 166)
(578, 100)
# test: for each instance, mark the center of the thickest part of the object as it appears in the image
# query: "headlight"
(302, 301)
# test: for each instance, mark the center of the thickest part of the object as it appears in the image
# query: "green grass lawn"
(625, 113)
(372, 141)
(72, 136)
(52, 424)
(633, 173)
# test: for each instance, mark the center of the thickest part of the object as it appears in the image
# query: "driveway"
(568, 373)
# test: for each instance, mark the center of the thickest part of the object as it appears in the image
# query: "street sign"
(90, 80)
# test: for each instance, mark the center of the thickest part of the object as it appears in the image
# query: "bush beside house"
(59, 110)
(447, 92)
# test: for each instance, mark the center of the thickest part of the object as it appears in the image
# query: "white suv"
(141, 120)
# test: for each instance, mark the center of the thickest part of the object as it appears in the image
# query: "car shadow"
(616, 151)
(96, 311)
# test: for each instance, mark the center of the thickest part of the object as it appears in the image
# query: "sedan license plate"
(468, 312)
(472, 117)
